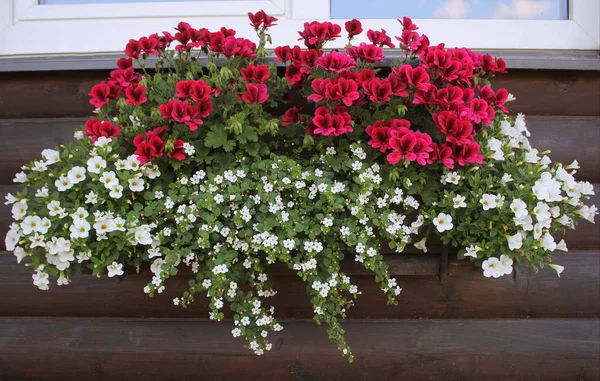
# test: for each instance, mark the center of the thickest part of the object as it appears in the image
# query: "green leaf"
(216, 138)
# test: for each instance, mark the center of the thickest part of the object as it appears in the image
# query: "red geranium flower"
(342, 89)
(455, 129)
(353, 27)
(181, 112)
(177, 151)
(294, 74)
(100, 94)
(255, 93)
(260, 18)
(412, 145)
(200, 91)
(133, 49)
(135, 95)
(184, 89)
(331, 124)
(95, 128)
(320, 87)
(467, 153)
(291, 116)
(257, 73)
(380, 39)
(336, 62)
(366, 52)
(150, 145)
(378, 90)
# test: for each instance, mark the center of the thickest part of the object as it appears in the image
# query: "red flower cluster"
(185, 112)
(124, 78)
(442, 83)
(150, 145)
(95, 128)
(261, 19)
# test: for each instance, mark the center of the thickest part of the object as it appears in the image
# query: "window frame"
(106, 28)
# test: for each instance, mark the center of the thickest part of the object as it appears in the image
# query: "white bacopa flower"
(109, 179)
(95, 164)
(80, 229)
(492, 267)
(507, 264)
(19, 210)
(114, 269)
(136, 184)
(510, 97)
(515, 242)
(51, 156)
(458, 201)
(519, 208)
(421, 245)
(489, 201)
(443, 222)
(327, 222)
(20, 253)
(76, 174)
(20, 177)
(558, 268)
(63, 183)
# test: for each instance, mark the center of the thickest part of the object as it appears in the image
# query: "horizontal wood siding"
(451, 323)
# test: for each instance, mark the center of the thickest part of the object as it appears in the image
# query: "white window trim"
(27, 28)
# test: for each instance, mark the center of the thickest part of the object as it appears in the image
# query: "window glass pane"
(450, 9)
(52, 2)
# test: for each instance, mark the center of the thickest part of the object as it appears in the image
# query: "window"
(51, 27)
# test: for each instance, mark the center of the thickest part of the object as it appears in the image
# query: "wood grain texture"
(150, 349)
(462, 292)
(64, 93)
(568, 137)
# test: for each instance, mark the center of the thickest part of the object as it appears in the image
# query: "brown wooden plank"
(568, 137)
(116, 349)
(64, 93)
(462, 293)
(23, 141)
(552, 92)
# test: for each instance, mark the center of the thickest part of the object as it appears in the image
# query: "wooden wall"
(451, 324)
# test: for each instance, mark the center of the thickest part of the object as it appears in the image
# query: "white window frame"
(27, 28)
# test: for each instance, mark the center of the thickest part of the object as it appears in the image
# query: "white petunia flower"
(472, 251)
(492, 267)
(51, 156)
(489, 201)
(506, 178)
(20, 177)
(519, 208)
(19, 210)
(114, 269)
(548, 242)
(95, 164)
(30, 224)
(421, 245)
(20, 253)
(76, 174)
(41, 280)
(63, 183)
(116, 191)
(142, 235)
(80, 229)
(588, 212)
(562, 245)
(443, 222)
(42, 192)
(104, 143)
(10, 199)
(507, 264)
(109, 179)
(515, 242)
(136, 184)
(558, 268)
